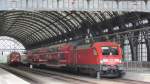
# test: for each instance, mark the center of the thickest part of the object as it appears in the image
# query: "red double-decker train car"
(103, 57)
(14, 58)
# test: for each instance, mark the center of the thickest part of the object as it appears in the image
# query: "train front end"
(14, 58)
(110, 59)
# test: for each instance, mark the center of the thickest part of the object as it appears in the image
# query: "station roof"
(38, 28)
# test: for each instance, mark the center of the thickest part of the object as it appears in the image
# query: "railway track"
(60, 76)
(75, 77)
(128, 81)
(24, 73)
(19, 73)
(72, 79)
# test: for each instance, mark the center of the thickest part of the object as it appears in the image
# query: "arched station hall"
(44, 23)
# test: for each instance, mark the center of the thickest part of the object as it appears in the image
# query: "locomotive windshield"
(108, 50)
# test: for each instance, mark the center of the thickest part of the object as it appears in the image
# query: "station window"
(8, 45)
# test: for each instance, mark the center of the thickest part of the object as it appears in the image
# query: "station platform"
(8, 78)
(145, 77)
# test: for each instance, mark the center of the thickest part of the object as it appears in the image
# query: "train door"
(74, 56)
(74, 67)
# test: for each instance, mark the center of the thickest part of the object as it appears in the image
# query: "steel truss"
(139, 42)
(43, 28)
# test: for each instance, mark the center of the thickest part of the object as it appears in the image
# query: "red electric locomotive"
(103, 57)
(14, 58)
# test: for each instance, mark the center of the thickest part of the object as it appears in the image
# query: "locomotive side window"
(95, 52)
(109, 50)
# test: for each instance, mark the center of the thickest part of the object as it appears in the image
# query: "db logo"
(111, 60)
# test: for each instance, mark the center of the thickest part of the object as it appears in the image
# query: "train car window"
(109, 50)
(54, 49)
(84, 46)
(62, 56)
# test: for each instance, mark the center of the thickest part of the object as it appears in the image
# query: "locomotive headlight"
(103, 61)
(105, 68)
(120, 67)
(118, 60)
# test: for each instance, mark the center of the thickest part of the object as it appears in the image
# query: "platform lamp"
(87, 38)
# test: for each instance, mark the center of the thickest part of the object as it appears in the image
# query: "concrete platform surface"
(8, 78)
(137, 76)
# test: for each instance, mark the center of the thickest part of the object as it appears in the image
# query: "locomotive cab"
(14, 58)
(110, 59)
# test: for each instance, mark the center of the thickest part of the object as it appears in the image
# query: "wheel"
(93, 73)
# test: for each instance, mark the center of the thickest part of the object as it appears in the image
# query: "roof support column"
(121, 41)
(147, 41)
(133, 41)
